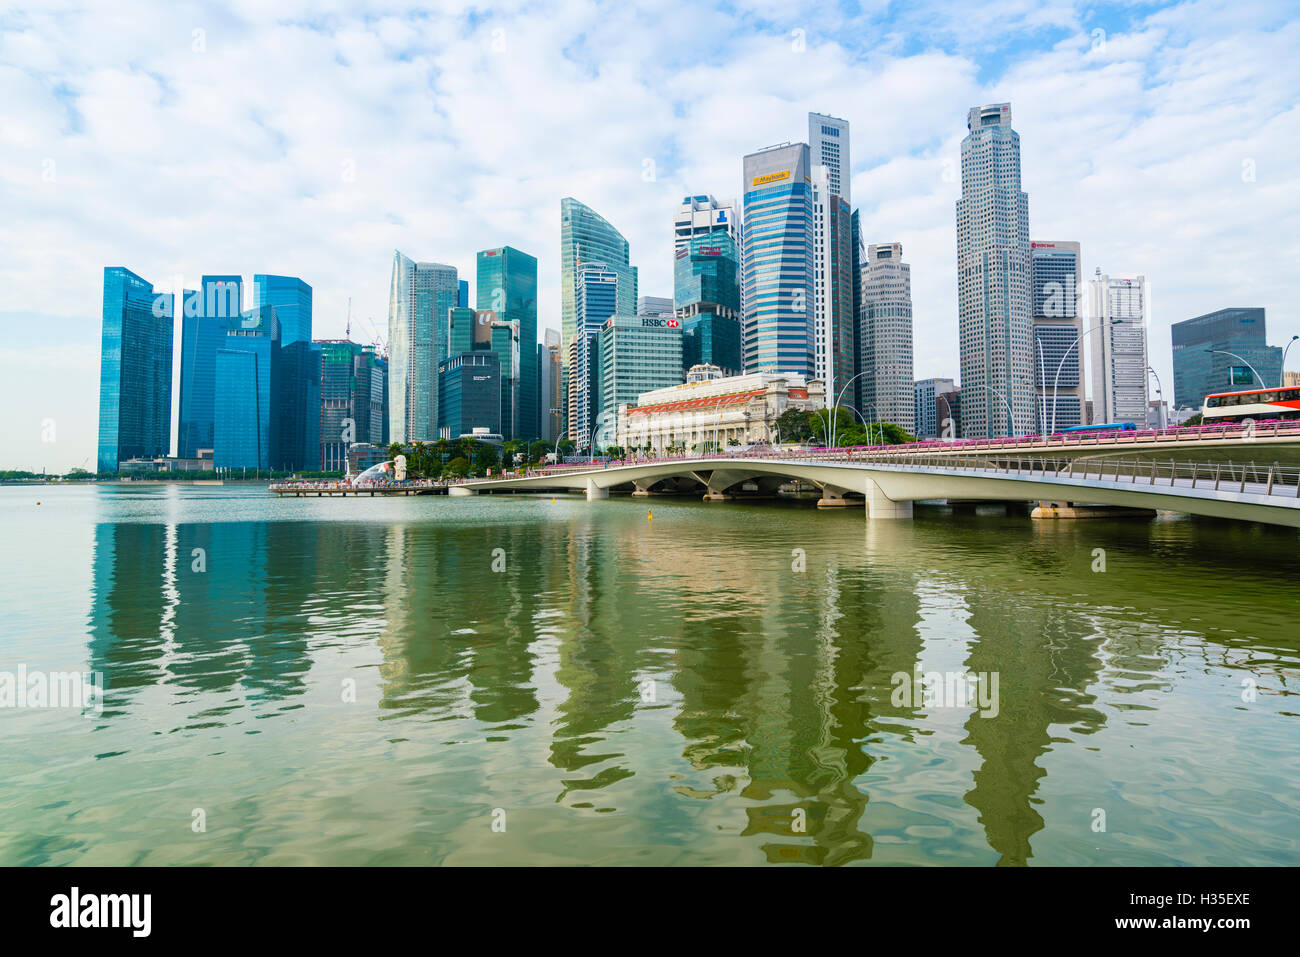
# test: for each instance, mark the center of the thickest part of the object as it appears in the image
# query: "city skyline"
(334, 221)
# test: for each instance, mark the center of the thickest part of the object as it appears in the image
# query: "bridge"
(889, 482)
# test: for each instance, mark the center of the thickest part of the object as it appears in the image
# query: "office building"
(1222, 351)
(712, 411)
(654, 306)
(597, 300)
(352, 391)
(637, 354)
(247, 419)
(550, 402)
(947, 413)
(470, 393)
(1118, 313)
(828, 145)
(993, 279)
(885, 340)
(700, 215)
(1058, 325)
(135, 370)
(925, 394)
(833, 298)
(298, 400)
(205, 314)
(777, 269)
(507, 286)
(586, 237)
(420, 295)
(706, 298)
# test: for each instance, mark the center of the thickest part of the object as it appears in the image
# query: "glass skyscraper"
(507, 286)
(993, 279)
(247, 421)
(351, 400)
(470, 387)
(420, 296)
(888, 390)
(1198, 371)
(585, 237)
(706, 297)
(597, 300)
(298, 399)
(637, 354)
(135, 370)
(206, 313)
(778, 260)
(1058, 364)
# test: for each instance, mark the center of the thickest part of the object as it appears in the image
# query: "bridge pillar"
(881, 506)
(460, 490)
(595, 492)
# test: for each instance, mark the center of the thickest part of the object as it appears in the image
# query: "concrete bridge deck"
(889, 484)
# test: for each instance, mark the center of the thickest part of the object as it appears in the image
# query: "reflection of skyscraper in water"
(127, 608)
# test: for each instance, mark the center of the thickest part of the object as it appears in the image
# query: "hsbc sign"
(661, 323)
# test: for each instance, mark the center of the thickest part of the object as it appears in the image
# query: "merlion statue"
(399, 468)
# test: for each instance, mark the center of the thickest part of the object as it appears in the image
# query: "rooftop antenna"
(348, 334)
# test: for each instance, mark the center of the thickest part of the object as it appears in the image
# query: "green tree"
(794, 425)
(458, 467)
(486, 457)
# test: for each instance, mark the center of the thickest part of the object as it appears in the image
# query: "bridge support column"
(595, 492)
(881, 506)
(460, 490)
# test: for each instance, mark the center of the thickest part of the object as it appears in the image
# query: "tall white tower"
(993, 279)
(1118, 311)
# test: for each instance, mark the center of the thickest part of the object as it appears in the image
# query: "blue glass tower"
(246, 423)
(778, 261)
(298, 399)
(205, 315)
(706, 297)
(135, 371)
(507, 286)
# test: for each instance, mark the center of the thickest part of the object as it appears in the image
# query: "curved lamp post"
(1160, 397)
(833, 416)
(1253, 370)
(1051, 429)
(1281, 373)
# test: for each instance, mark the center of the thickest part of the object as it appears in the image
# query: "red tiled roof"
(708, 403)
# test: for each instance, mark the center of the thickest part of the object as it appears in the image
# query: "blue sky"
(312, 139)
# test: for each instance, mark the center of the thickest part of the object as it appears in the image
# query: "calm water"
(633, 691)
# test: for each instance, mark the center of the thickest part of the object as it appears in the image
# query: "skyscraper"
(886, 340)
(205, 315)
(1118, 311)
(654, 306)
(928, 410)
(833, 298)
(597, 300)
(1222, 351)
(419, 297)
(351, 400)
(700, 215)
(298, 401)
(828, 144)
(637, 354)
(507, 285)
(246, 421)
(777, 266)
(135, 370)
(585, 236)
(550, 404)
(706, 297)
(993, 279)
(1058, 326)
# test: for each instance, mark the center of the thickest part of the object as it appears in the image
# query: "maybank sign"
(771, 177)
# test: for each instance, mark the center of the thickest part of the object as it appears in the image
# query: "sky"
(313, 139)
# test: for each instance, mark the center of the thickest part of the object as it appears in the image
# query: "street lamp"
(1051, 429)
(1160, 398)
(833, 416)
(1248, 365)
(1011, 417)
(1281, 374)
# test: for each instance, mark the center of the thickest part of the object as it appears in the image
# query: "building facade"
(419, 297)
(715, 411)
(206, 313)
(550, 402)
(470, 393)
(352, 400)
(925, 394)
(777, 260)
(1221, 351)
(1118, 314)
(1058, 326)
(637, 354)
(654, 306)
(585, 236)
(298, 398)
(597, 300)
(246, 426)
(507, 285)
(706, 297)
(993, 279)
(135, 370)
(885, 341)
(833, 297)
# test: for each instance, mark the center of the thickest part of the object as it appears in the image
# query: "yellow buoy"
(552, 501)
(650, 515)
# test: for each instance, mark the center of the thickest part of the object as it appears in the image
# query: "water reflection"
(617, 663)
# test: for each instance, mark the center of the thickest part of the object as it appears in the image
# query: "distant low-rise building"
(709, 409)
(925, 393)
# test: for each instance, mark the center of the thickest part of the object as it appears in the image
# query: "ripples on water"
(352, 682)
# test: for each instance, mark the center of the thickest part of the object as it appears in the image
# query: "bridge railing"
(1254, 477)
